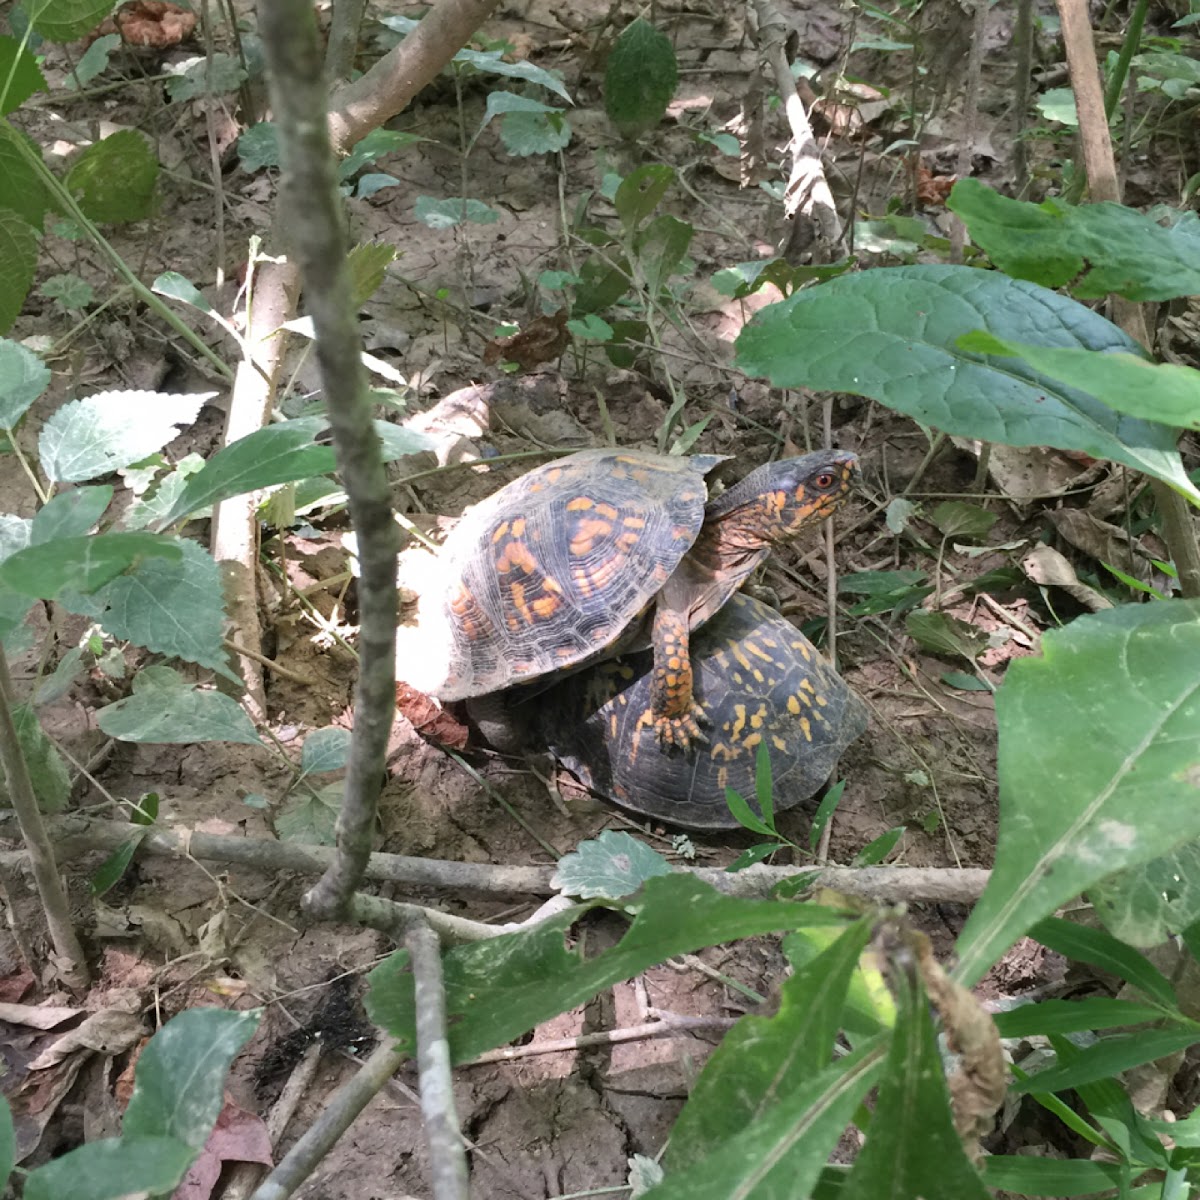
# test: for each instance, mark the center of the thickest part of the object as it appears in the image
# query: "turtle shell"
(553, 570)
(759, 680)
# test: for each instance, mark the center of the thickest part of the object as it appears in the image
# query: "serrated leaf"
(445, 214)
(214, 75)
(47, 771)
(499, 989)
(23, 378)
(277, 454)
(311, 817)
(639, 193)
(70, 514)
(892, 333)
(610, 866)
(368, 264)
(179, 1080)
(1149, 904)
(640, 78)
(763, 1061)
(80, 564)
(1099, 761)
(20, 77)
(1093, 249)
(110, 430)
(258, 147)
(113, 1169)
(113, 181)
(941, 633)
(1161, 392)
(490, 62)
(525, 133)
(325, 750)
(166, 709)
(18, 261)
(172, 607)
(21, 187)
(957, 518)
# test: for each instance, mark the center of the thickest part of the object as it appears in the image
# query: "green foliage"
(113, 181)
(47, 771)
(21, 188)
(165, 708)
(66, 20)
(640, 78)
(609, 867)
(20, 76)
(206, 77)
(445, 214)
(18, 262)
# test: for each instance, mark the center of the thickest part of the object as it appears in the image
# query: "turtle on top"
(604, 553)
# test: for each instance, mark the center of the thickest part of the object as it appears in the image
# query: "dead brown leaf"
(238, 1136)
(541, 340)
(429, 718)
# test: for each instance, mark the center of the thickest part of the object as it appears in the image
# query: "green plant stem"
(53, 895)
(1116, 81)
(66, 202)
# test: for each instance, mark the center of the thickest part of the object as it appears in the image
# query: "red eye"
(824, 480)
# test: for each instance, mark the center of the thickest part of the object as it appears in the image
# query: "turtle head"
(781, 499)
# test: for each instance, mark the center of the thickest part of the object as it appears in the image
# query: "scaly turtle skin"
(603, 552)
(758, 680)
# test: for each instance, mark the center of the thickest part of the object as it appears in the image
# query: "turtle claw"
(682, 732)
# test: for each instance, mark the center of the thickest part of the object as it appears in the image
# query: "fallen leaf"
(429, 718)
(38, 1016)
(541, 340)
(238, 1136)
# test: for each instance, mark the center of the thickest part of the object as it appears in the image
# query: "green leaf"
(21, 187)
(445, 214)
(174, 607)
(81, 564)
(1073, 1016)
(590, 328)
(113, 1169)
(179, 1080)
(8, 1142)
(69, 292)
(1155, 391)
(825, 810)
(113, 181)
(609, 866)
(501, 988)
(640, 78)
(18, 261)
(941, 633)
(66, 20)
(640, 191)
(311, 817)
(212, 76)
(178, 287)
(150, 508)
(110, 871)
(258, 147)
(892, 334)
(957, 518)
(964, 682)
(1093, 249)
(1058, 104)
(1151, 903)
(763, 1061)
(23, 378)
(1023, 1175)
(1108, 1057)
(277, 454)
(755, 854)
(165, 708)
(47, 771)
(70, 514)
(376, 143)
(491, 62)
(20, 77)
(103, 433)
(398, 442)
(877, 850)
(325, 750)
(781, 1155)
(368, 263)
(93, 62)
(661, 248)
(499, 103)
(912, 1146)
(1099, 763)
(56, 685)
(525, 133)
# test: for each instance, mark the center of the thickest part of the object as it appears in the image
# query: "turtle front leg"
(673, 713)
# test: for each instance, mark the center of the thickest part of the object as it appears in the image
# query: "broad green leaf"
(610, 866)
(1099, 765)
(23, 378)
(370, 182)
(398, 442)
(113, 1169)
(743, 279)
(8, 1142)
(1160, 392)
(661, 247)
(640, 78)
(258, 147)
(491, 62)
(47, 771)
(311, 816)
(80, 564)
(110, 430)
(18, 261)
(1093, 249)
(1151, 903)
(499, 103)
(764, 1061)
(445, 214)
(1110, 1056)
(912, 1146)
(93, 62)
(1058, 104)
(376, 144)
(71, 513)
(20, 77)
(780, 1156)
(212, 76)
(109, 873)
(21, 187)
(640, 191)
(54, 686)
(941, 633)
(591, 328)
(526, 133)
(892, 334)
(178, 287)
(165, 708)
(368, 263)
(501, 988)
(277, 454)
(113, 181)
(179, 1080)
(325, 750)
(173, 607)
(1024, 1175)
(1073, 1016)
(153, 505)
(66, 20)
(958, 519)
(69, 292)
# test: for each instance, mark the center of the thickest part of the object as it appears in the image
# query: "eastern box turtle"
(563, 566)
(758, 680)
